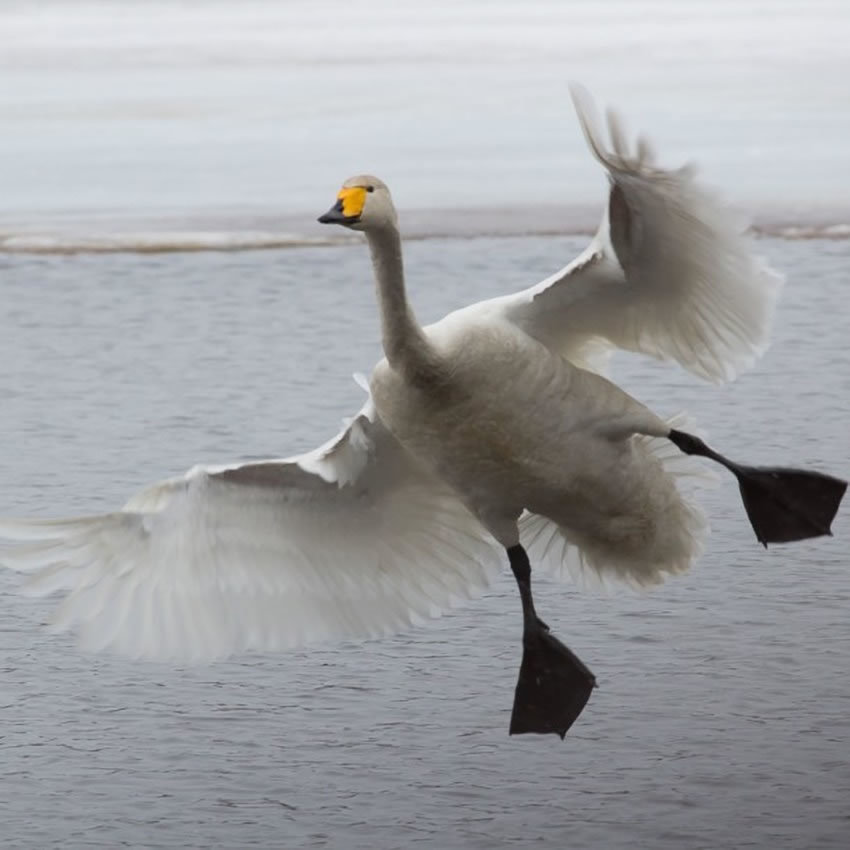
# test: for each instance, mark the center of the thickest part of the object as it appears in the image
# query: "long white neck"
(405, 345)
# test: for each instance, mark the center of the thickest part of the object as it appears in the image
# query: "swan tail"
(662, 536)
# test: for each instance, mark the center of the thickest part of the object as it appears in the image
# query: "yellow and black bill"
(348, 207)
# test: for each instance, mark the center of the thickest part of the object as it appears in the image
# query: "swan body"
(496, 423)
(559, 436)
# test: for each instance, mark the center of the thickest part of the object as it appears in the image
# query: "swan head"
(363, 203)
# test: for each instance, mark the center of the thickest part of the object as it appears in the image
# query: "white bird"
(491, 426)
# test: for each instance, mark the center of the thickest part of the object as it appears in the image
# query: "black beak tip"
(334, 215)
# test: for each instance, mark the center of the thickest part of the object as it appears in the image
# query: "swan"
(492, 434)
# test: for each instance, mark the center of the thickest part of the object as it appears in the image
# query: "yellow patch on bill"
(353, 199)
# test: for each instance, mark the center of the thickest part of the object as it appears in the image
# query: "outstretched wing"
(352, 539)
(670, 272)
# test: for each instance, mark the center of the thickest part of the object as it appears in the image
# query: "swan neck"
(405, 345)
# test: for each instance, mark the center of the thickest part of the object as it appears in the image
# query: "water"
(721, 716)
(144, 127)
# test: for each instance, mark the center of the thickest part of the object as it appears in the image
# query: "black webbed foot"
(553, 687)
(783, 505)
(789, 504)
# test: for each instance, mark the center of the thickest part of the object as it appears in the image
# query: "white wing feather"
(351, 540)
(670, 272)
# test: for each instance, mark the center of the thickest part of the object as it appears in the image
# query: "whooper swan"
(494, 424)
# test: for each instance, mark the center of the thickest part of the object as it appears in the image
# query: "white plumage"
(495, 422)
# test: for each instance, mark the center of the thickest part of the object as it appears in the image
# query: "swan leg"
(782, 504)
(554, 686)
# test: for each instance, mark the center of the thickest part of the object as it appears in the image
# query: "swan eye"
(370, 188)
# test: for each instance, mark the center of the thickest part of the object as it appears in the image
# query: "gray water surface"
(723, 713)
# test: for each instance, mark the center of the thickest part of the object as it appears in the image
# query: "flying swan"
(495, 425)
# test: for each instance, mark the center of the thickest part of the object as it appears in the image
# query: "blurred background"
(235, 118)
